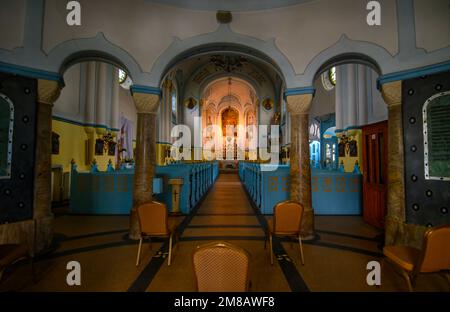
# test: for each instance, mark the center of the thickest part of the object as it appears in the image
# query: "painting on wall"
(55, 143)
(99, 147)
(112, 148)
(353, 148)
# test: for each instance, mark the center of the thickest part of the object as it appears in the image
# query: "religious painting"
(55, 143)
(353, 148)
(341, 149)
(99, 144)
(267, 104)
(230, 117)
(111, 148)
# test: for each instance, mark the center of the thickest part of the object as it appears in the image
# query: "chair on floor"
(434, 257)
(12, 253)
(221, 266)
(286, 222)
(154, 222)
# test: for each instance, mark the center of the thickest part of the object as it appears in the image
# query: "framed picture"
(99, 147)
(112, 148)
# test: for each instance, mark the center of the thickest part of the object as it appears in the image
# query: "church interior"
(264, 146)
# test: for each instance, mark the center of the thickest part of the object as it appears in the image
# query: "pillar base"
(308, 225)
(398, 232)
(23, 232)
(44, 233)
(134, 233)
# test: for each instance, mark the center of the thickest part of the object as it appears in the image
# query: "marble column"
(48, 92)
(392, 95)
(300, 170)
(145, 155)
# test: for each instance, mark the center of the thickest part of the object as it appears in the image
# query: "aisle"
(224, 215)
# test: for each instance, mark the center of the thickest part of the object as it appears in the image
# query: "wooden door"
(375, 173)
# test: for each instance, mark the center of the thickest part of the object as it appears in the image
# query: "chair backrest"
(153, 218)
(221, 266)
(436, 250)
(287, 217)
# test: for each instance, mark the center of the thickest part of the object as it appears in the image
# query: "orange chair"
(220, 266)
(287, 220)
(154, 222)
(434, 257)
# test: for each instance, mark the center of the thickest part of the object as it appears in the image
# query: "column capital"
(392, 93)
(146, 103)
(48, 91)
(299, 103)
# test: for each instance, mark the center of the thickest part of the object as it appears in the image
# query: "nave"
(334, 261)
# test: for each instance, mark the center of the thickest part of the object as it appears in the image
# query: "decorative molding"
(298, 91)
(48, 91)
(299, 104)
(145, 89)
(414, 73)
(31, 72)
(83, 124)
(392, 93)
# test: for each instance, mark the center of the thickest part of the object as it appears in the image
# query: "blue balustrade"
(333, 192)
(111, 192)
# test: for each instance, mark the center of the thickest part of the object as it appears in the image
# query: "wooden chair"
(12, 253)
(434, 257)
(286, 222)
(221, 266)
(154, 222)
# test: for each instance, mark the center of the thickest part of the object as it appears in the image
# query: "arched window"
(6, 135)
(436, 136)
(174, 101)
(329, 79)
(124, 80)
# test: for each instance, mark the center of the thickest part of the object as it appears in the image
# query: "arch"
(223, 40)
(346, 51)
(96, 48)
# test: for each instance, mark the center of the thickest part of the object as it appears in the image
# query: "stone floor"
(335, 261)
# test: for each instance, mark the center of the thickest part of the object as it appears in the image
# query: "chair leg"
(408, 280)
(170, 250)
(139, 252)
(265, 241)
(271, 249)
(33, 270)
(301, 249)
(150, 243)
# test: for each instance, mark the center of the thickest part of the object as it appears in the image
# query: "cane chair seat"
(220, 266)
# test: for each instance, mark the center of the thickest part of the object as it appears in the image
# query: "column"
(90, 109)
(351, 96)
(48, 92)
(395, 219)
(362, 95)
(115, 104)
(300, 170)
(145, 156)
(338, 98)
(100, 113)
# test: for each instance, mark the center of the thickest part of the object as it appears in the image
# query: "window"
(329, 79)
(124, 80)
(6, 135)
(436, 136)
(174, 102)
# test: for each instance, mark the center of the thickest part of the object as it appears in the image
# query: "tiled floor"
(335, 261)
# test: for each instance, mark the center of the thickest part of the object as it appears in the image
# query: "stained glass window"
(122, 76)
(332, 75)
(174, 105)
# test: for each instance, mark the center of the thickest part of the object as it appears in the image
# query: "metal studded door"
(426, 131)
(17, 147)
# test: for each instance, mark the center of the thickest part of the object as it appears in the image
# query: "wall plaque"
(436, 134)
